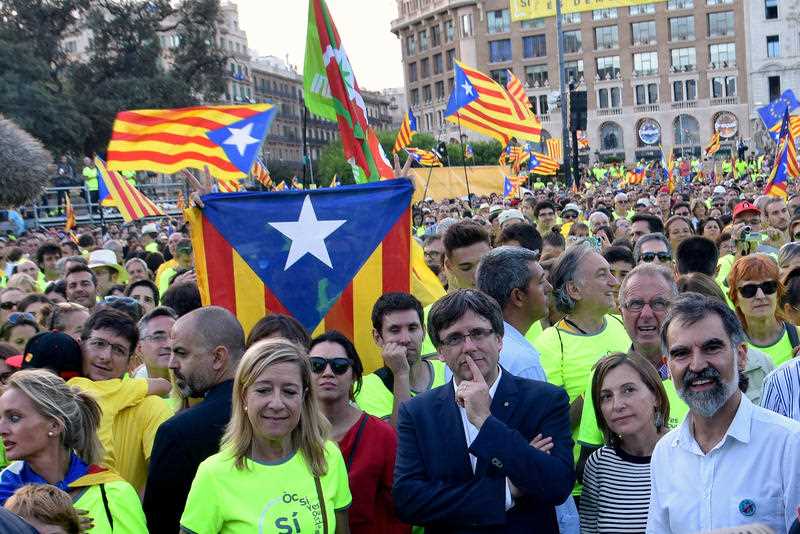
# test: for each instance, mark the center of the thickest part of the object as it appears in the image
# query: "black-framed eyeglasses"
(569, 216)
(476, 335)
(749, 291)
(339, 366)
(648, 257)
(100, 344)
(657, 305)
(20, 317)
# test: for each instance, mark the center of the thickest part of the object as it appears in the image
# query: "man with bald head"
(207, 344)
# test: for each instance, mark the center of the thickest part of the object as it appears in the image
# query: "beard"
(707, 403)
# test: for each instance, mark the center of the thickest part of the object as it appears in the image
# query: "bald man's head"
(214, 327)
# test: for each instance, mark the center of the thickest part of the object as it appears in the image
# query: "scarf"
(20, 473)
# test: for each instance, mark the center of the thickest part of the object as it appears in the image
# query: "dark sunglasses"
(20, 317)
(339, 366)
(647, 257)
(116, 299)
(749, 291)
(8, 305)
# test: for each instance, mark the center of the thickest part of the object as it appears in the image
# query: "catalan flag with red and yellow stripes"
(225, 138)
(713, 144)
(130, 202)
(261, 173)
(483, 105)
(228, 186)
(517, 92)
(542, 164)
(407, 130)
(320, 256)
(69, 222)
(555, 148)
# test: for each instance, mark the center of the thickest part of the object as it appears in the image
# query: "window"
(608, 67)
(450, 82)
(423, 40)
(606, 37)
(436, 35)
(573, 70)
(498, 21)
(466, 25)
(534, 46)
(687, 130)
(572, 18)
(645, 63)
(449, 31)
(449, 56)
(415, 97)
(723, 55)
(426, 94)
(425, 68)
(773, 46)
(532, 24)
(646, 94)
(439, 90)
(543, 108)
(412, 72)
(774, 84)
(611, 136)
(572, 41)
(643, 32)
(681, 28)
(602, 99)
(720, 24)
(684, 59)
(411, 45)
(771, 9)
(642, 9)
(691, 89)
(437, 64)
(536, 74)
(678, 94)
(652, 93)
(499, 75)
(718, 2)
(500, 50)
(602, 14)
(641, 95)
(730, 85)
(725, 86)
(680, 4)
(616, 97)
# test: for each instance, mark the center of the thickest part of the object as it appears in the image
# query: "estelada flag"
(320, 255)
(130, 202)
(69, 221)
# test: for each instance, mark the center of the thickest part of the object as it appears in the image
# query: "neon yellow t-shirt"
(152, 246)
(90, 176)
(125, 506)
(281, 497)
(780, 351)
(534, 331)
(568, 356)
(378, 401)
(588, 431)
(427, 345)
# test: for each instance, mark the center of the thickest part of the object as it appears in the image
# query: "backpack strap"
(105, 505)
(791, 331)
(321, 499)
(387, 377)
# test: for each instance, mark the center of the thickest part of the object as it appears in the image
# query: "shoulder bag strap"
(356, 441)
(791, 331)
(321, 499)
(105, 505)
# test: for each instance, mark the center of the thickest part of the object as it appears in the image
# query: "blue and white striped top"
(781, 392)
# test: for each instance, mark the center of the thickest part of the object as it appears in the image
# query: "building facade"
(397, 105)
(773, 46)
(675, 70)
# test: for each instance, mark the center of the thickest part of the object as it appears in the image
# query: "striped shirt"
(616, 492)
(781, 392)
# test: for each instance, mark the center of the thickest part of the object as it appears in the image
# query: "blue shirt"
(519, 357)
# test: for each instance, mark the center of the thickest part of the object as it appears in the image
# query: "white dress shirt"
(471, 432)
(751, 476)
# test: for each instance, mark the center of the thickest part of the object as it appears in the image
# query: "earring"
(245, 408)
(50, 434)
(659, 419)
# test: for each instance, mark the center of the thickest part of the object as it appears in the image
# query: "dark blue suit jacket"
(434, 485)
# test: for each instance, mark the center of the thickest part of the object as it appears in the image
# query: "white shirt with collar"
(471, 432)
(751, 476)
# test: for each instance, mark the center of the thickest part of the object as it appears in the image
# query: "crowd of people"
(620, 358)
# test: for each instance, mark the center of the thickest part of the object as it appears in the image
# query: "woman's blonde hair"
(754, 267)
(76, 411)
(46, 504)
(23, 282)
(311, 431)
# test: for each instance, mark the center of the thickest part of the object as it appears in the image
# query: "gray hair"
(62, 262)
(690, 308)
(652, 270)
(654, 236)
(502, 270)
(788, 252)
(564, 271)
(452, 307)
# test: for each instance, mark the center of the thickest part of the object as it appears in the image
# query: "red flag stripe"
(483, 125)
(126, 202)
(272, 304)
(234, 109)
(164, 137)
(220, 270)
(395, 248)
(169, 159)
(340, 315)
(182, 117)
(506, 124)
(127, 196)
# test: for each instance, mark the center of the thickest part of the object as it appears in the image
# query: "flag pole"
(463, 159)
(430, 169)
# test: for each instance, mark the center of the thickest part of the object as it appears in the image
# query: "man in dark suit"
(207, 344)
(488, 451)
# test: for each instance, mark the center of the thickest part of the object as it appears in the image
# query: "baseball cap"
(744, 207)
(643, 202)
(510, 215)
(55, 351)
(620, 197)
(14, 361)
(571, 207)
(497, 208)
(719, 190)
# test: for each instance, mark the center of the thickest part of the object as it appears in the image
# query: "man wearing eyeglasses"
(470, 455)
(207, 344)
(154, 343)
(653, 248)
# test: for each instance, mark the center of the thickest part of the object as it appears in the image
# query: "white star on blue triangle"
(242, 140)
(463, 92)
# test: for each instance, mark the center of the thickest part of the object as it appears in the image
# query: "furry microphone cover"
(25, 166)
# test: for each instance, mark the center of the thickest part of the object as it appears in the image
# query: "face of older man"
(703, 363)
(647, 299)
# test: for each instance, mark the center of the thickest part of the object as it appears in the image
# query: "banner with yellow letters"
(535, 9)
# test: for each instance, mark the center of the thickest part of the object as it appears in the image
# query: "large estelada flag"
(130, 202)
(225, 138)
(321, 255)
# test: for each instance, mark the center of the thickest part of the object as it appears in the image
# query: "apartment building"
(663, 73)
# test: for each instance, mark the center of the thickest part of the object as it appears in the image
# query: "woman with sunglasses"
(755, 290)
(18, 329)
(368, 444)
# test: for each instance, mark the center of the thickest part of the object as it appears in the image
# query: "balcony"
(647, 108)
(724, 101)
(687, 104)
(609, 112)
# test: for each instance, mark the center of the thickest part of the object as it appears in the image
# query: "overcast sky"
(278, 27)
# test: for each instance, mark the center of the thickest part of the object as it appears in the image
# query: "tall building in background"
(397, 105)
(669, 72)
(773, 57)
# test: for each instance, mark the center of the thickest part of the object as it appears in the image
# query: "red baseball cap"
(14, 361)
(744, 207)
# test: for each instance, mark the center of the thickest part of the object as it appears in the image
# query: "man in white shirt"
(730, 462)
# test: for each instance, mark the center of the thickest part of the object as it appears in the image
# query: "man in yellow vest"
(90, 182)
